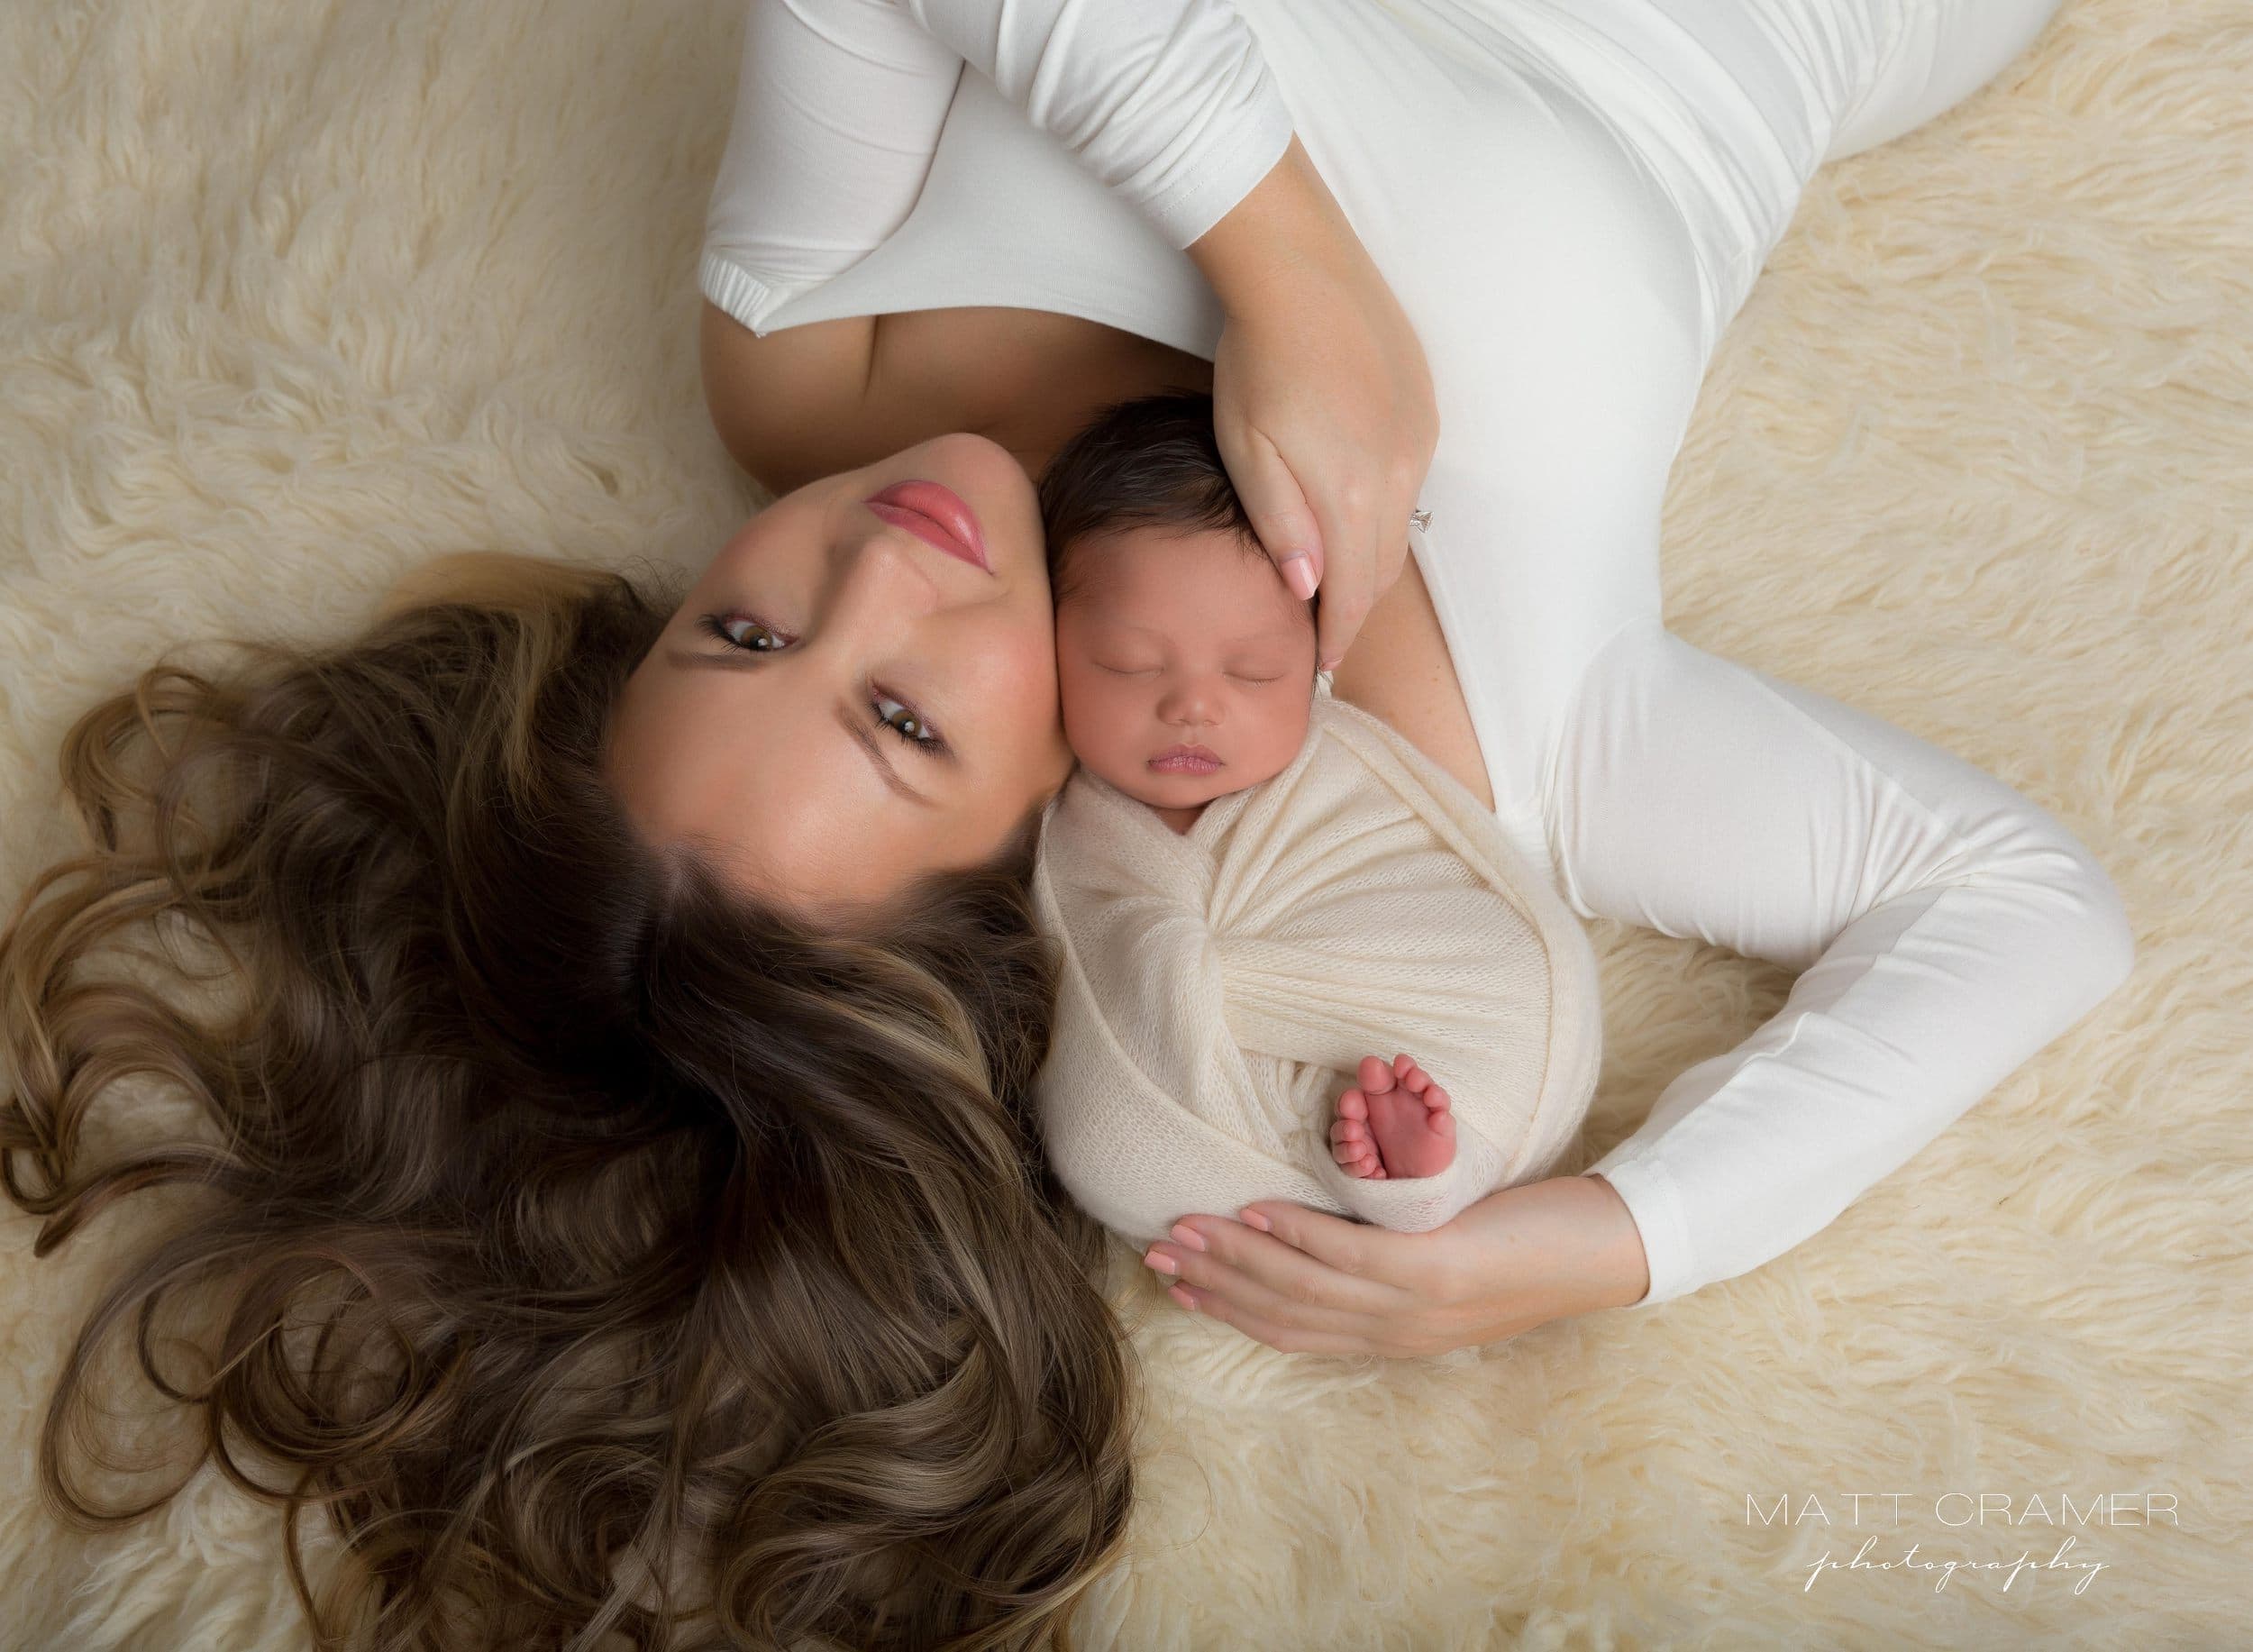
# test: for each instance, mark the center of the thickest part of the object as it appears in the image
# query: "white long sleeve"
(1947, 930)
(841, 103)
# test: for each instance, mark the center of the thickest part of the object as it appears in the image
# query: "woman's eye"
(911, 728)
(752, 636)
(740, 631)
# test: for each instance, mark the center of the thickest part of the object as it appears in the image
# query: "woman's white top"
(1220, 987)
(1571, 198)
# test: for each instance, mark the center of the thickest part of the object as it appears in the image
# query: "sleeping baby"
(1260, 890)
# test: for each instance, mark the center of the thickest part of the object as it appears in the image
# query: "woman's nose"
(886, 587)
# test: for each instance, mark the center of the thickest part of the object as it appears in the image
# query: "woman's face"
(841, 705)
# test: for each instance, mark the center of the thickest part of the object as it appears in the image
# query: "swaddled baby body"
(1249, 876)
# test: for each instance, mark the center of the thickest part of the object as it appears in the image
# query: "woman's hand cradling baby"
(1316, 1283)
(1322, 398)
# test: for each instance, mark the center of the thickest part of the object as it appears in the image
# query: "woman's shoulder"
(811, 399)
(787, 406)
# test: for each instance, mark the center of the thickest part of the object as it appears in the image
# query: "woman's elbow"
(2093, 918)
(2113, 922)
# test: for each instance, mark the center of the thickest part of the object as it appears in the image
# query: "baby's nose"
(1188, 705)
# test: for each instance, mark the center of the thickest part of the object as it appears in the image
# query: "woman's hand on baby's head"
(1322, 397)
(1323, 441)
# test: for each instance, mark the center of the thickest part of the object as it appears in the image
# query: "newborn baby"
(1187, 668)
(1248, 876)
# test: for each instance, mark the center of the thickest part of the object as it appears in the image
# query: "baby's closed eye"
(1149, 671)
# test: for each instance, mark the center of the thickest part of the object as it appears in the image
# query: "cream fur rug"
(295, 294)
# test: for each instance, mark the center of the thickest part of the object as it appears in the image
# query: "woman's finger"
(1282, 1338)
(1280, 514)
(1318, 358)
(1357, 1248)
(1340, 500)
(1264, 1277)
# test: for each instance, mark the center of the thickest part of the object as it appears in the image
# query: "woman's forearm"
(1322, 397)
(1547, 1250)
(1288, 225)
(1620, 1272)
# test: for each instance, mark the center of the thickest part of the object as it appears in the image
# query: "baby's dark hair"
(1152, 461)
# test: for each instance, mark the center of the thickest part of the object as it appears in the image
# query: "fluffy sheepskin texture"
(294, 294)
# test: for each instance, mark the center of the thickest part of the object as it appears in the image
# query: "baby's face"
(1174, 640)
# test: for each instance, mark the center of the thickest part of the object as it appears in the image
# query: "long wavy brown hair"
(614, 1259)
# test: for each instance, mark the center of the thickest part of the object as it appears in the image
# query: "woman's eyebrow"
(736, 662)
(866, 741)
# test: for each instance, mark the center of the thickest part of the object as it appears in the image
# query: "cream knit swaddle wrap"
(1220, 988)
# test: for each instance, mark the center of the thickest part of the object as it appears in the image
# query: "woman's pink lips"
(936, 515)
(1185, 760)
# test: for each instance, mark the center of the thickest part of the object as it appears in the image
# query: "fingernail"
(1331, 664)
(1299, 574)
(1253, 1219)
(1187, 1234)
(1160, 1261)
(1182, 1297)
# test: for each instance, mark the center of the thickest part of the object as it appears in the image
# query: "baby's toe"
(1435, 1099)
(1376, 1078)
(1356, 1158)
(1353, 1104)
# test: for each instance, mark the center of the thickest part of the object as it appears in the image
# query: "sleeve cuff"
(737, 291)
(1654, 1203)
(1238, 159)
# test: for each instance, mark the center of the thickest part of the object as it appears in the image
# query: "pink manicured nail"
(1299, 574)
(1185, 1234)
(1159, 1260)
(1182, 1297)
(1253, 1219)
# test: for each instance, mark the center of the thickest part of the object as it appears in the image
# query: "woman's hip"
(1946, 50)
(1833, 77)
(1732, 105)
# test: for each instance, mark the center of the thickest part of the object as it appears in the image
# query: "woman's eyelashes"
(918, 733)
(717, 625)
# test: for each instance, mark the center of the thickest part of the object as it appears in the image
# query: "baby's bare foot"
(1396, 1124)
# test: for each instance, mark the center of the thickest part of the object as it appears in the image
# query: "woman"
(1569, 201)
(634, 1078)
